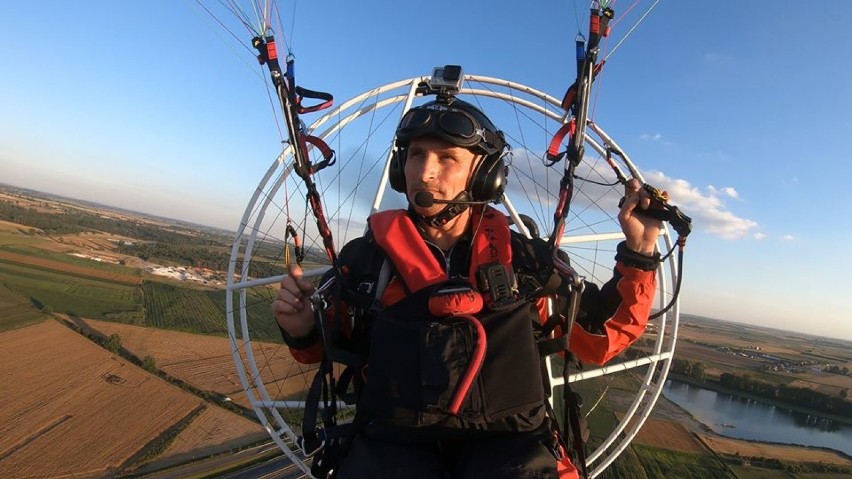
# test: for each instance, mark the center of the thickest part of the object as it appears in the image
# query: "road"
(266, 462)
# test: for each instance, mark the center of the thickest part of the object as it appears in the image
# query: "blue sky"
(740, 108)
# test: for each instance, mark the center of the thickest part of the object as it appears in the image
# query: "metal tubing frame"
(238, 283)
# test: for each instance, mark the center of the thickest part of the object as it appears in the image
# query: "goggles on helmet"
(454, 125)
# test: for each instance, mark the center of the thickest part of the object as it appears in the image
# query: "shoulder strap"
(418, 268)
(396, 234)
(492, 241)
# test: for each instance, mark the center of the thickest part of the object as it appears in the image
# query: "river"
(741, 418)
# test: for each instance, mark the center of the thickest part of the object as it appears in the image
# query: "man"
(441, 302)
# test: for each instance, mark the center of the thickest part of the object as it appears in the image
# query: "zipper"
(446, 256)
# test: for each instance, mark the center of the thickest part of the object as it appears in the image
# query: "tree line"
(796, 396)
(835, 369)
(73, 221)
(802, 397)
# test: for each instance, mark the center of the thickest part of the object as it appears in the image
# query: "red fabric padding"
(394, 292)
(399, 238)
(446, 304)
(566, 469)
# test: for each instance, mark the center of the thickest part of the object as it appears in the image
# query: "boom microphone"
(425, 199)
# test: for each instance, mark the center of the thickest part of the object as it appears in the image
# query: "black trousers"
(526, 455)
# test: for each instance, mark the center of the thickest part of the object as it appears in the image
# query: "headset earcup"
(396, 171)
(489, 180)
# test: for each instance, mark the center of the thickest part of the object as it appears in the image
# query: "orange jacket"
(611, 318)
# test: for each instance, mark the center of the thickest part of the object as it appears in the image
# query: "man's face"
(439, 167)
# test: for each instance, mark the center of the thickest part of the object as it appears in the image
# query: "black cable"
(676, 291)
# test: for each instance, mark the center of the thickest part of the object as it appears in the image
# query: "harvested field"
(294, 387)
(25, 201)
(824, 382)
(206, 362)
(71, 407)
(203, 361)
(9, 226)
(714, 337)
(783, 344)
(668, 435)
(725, 445)
(215, 430)
(94, 241)
(706, 354)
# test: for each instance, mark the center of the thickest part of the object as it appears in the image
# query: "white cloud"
(727, 191)
(650, 137)
(706, 208)
(788, 237)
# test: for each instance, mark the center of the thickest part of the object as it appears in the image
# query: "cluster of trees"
(801, 397)
(180, 253)
(149, 364)
(693, 370)
(835, 369)
(113, 343)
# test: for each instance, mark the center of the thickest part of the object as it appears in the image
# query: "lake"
(741, 418)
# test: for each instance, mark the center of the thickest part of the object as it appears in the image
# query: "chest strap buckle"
(498, 280)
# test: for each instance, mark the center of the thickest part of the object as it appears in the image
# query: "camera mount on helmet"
(448, 117)
(446, 82)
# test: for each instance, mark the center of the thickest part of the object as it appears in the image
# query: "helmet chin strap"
(454, 207)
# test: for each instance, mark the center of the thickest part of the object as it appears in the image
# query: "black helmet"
(460, 124)
(455, 121)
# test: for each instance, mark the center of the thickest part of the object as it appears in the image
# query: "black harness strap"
(579, 428)
(574, 423)
(329, 442)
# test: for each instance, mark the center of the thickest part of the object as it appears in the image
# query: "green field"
(157, 304)
(664, 464)
(642, 462)
(168, 306)
(16, 310)
(74, 295)
(258, 302)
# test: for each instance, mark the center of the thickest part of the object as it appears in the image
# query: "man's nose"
(429, 168)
